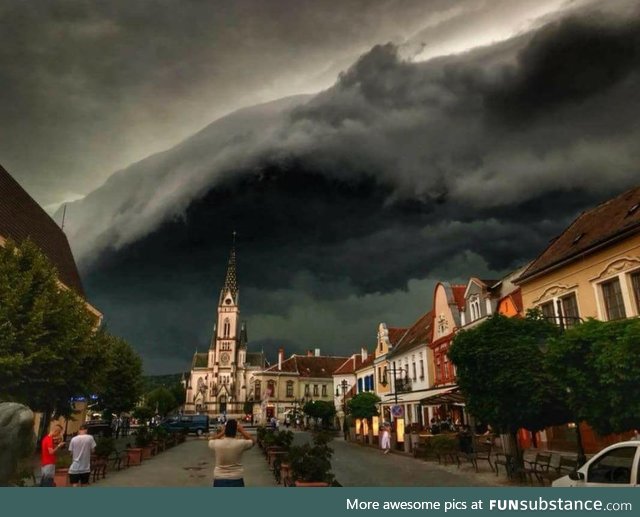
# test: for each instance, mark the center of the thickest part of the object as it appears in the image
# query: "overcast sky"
(383, 145)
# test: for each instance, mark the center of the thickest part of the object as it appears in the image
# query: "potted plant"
(310, 465)
(143, 441)
(160, 436)
(63, 462)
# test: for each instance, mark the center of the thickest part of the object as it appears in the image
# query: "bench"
(98, 468)
(539, 467)
(566, 466)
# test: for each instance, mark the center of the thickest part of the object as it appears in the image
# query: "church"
(221, 379)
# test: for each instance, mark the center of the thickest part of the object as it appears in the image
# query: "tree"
(364, 405)
(598, 363)
(501, 372)
(120, 382)
(161, 400)
(320, 409)
(47, 352)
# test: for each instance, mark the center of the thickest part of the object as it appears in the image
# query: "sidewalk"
(187, 465)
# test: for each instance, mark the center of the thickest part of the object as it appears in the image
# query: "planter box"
(61, 477)
(147, 452)
(135, 456)
(311, 484)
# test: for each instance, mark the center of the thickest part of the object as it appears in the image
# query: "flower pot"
(61, 477)
(135, 456)
(285, 474)
(147, 452)
(311, 484)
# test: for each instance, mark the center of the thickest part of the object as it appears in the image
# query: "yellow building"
(591, 270)
(286, 386)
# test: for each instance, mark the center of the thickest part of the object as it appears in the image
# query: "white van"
(615, 466)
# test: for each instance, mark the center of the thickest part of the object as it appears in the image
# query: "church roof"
(255, 359)
(200, 360)
(22, 218)
(418, 334)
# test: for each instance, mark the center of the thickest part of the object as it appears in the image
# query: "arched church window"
(226, 328)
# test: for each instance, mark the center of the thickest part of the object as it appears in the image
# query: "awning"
(450, 395)
(416, 396)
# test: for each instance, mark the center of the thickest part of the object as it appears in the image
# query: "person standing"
(51, 444)
(81, 446)
(228, 450)
(385, 439)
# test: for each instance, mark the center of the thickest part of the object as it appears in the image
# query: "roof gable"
(420, 333)
(21, 218)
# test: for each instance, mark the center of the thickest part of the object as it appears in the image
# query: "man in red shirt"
(51, 444)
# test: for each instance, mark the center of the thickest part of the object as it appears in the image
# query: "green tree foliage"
(120, 380)
(501, 371)
(162, 400)
(47, 352)
(364, 405)
(321, 409)
(598, 364)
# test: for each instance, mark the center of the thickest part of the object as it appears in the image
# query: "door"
(270, 412)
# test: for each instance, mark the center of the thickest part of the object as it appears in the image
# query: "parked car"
(99, 428)
(614, 466)
(198, 424)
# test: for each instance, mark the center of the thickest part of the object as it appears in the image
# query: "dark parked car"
(198, 424)
(98, 428)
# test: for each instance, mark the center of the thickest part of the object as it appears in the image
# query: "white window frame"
(558, 297)
(626, 287)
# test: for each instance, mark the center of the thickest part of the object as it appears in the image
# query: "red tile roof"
(418, 334)
(22, 218)
(309, 366)
(395, 334)
(367, 362)
(600, 226)
(458, 295)
(350, 365)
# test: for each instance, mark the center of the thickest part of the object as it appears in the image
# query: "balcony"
(403, 385)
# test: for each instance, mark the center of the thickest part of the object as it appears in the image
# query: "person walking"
(228, 450)
(49, 447)
(385, 439)
(81, 446)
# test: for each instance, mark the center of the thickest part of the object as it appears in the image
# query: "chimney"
(363, 352)
(280, 357)
(317, 354)
(354, 361)
(309, 353)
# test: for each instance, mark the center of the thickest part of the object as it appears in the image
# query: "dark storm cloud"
(89, 87)
(351, 204)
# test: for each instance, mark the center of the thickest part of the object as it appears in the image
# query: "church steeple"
(231, 281)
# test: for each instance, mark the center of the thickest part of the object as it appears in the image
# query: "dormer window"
(474, 307)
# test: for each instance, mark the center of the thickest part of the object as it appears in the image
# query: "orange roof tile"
(418, 334)
(599, 226)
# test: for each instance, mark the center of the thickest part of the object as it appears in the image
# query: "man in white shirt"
(228, 449)
(81, 447)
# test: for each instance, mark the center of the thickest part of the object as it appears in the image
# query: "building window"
(475, 308)
(290, 389)
(258, 390)
(306, 390)
(360, 385)
(570, 310)
(384, 375)
(324, 390)
(635, 286)
(613, 302)
(421, 369)
(226, 328)
(548, 311)
(379, 373)
(315, 390)
(371, 382)
(413, 365)
(438, 372)
(271, 389)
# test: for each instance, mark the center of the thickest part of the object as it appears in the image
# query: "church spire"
(231, 281)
